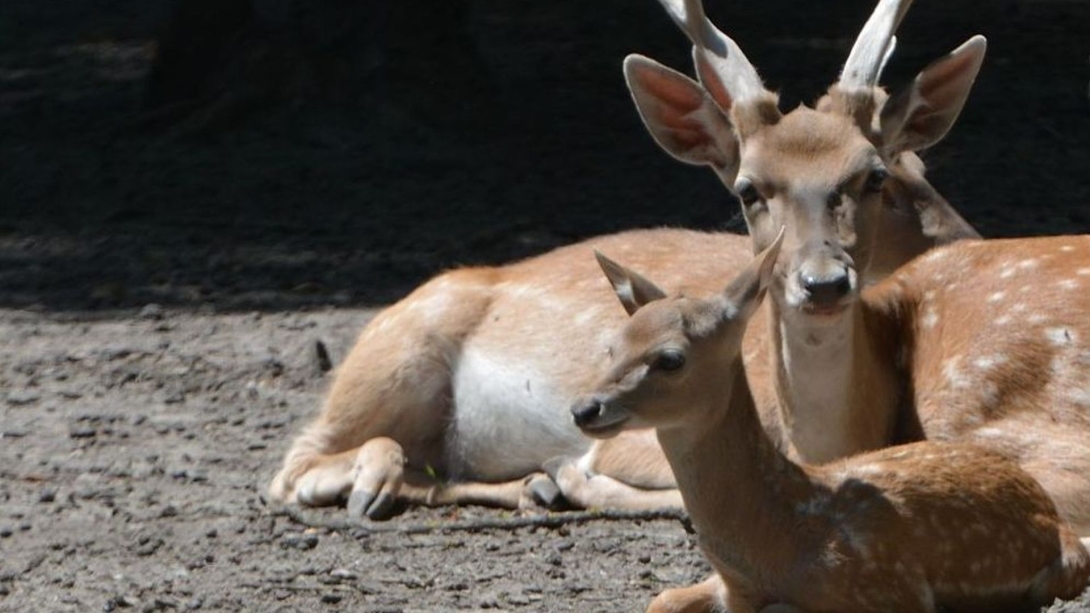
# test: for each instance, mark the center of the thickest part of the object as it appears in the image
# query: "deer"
(922, 527)
(469, 378)
(851, 164)
(979, 341)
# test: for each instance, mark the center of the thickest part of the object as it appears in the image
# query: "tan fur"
(919, 527)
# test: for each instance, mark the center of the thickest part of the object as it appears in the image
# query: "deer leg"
(708, 596)
(604, 492)
(1067, 576)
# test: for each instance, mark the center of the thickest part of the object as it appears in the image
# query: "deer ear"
(632, 289)
(748, 289)
(921, 114)
(681, 116)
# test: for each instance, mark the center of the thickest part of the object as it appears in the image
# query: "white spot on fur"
(1028, 264)
(1060, 336)
(1037, 318)
(989, 361)
(1067, 248)
(1068, 284)
(930, 318)
(1083, 272)
(1002, 320)
(996, 296)
(953, 374)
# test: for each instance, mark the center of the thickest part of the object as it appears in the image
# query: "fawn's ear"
(681, 116)
(748, 289)
(921, 114)
(632, 289)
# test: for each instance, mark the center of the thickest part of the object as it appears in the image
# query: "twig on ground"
(549, 520)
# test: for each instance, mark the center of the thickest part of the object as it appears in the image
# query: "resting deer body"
(470, 376)
(917, 528)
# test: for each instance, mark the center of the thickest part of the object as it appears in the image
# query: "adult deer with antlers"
(470, 376)
(918, 528)
(981, 341)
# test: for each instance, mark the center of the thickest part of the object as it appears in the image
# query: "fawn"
(920, 527)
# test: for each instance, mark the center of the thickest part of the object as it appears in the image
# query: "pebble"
(299, 541)
(83, 433)
(194, 604)
(6, 531)
(343, 574)
(23, 398)
(151, 311)
(47, 495)
(332, 598)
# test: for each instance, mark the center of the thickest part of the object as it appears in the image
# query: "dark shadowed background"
(283, 153)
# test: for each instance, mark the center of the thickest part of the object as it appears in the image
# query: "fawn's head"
(824, 173)
(670, 348)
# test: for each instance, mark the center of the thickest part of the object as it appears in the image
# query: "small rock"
(295, 540)
(148, 547)
(193, 604)
(4, 589)
(553, 557)
(83, 433)
(343, 574)
(47, 495)
(212, 533)
(332, 598)
(6, 531)
(23, 397)
(151, 311)
(13, 434)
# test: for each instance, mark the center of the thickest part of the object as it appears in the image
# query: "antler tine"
(721, 53)
(873, 47)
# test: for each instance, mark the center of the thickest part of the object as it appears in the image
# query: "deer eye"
(875, 180)
(747, 192)
(669, 361)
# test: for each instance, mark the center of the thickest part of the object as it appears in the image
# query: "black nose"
(826, 290)
(586, 412)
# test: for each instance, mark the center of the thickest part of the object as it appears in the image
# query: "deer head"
(828, 174)
(668, 344)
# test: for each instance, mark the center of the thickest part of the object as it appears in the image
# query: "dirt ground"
(161, 297)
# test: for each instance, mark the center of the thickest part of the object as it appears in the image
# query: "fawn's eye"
(668, 361)
(875, 180)
(747, 192)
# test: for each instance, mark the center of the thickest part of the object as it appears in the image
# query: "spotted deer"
(922, 527)
(838, 176)
(470, 376)
(985, 342)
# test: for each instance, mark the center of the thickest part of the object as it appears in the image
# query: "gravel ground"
(135, 440)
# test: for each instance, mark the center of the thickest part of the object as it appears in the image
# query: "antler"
(873, 47)
(721, 65)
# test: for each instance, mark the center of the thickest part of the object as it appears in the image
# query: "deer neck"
(836, 382)
(741, 492)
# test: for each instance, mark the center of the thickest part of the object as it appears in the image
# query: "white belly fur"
(508, 419)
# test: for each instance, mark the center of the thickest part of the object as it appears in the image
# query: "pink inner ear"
(943, 80)
(675, 94)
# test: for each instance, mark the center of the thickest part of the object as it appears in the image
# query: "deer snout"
(586, 411)
(828, 288)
